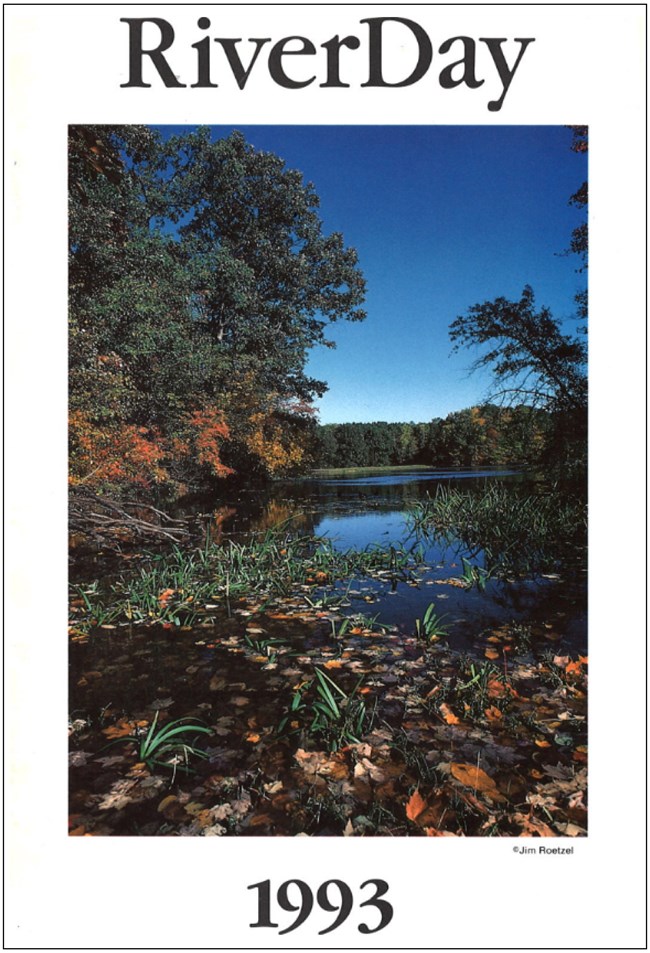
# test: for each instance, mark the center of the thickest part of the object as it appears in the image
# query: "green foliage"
(326, 711)
(516, 533)
(477, 436)
(167, 742)
(474, 575)
(430, 627)
(200, 278)
(174, 588)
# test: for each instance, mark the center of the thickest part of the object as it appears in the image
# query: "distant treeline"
(487, 435)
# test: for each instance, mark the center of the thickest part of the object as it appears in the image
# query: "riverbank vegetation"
(200, 276)
(477, 436)
(514, 533)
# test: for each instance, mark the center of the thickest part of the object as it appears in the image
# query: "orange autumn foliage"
(121, 453)
(125, 454)
(207, 429)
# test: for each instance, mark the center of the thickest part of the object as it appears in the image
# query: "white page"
(66, 64)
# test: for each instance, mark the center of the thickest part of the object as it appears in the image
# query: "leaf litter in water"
(422, 767)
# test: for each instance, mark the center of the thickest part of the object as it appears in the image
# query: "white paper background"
(65, 63)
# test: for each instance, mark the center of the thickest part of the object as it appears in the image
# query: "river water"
(359, 510)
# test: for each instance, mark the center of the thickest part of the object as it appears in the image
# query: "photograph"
(324, 579)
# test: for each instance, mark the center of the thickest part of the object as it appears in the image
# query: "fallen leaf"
(167, 802)
(491, 654)
(77, 759)
(221, 812)
(273, 787)
(448, 714)
(496, 689)
(318, 763)
(120, 730)
(493, 714)
(532, 825)
(573, 668)
(474, 777)
(160, 704)
(111, 760)
(252, 737)
(165, 596)
(365, 768)
(415, 805)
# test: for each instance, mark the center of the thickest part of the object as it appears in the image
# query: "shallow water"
(220, 674)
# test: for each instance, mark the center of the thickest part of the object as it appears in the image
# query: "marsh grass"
(173, 588)
(323, 710)
(429, 627)
(168, 741)
(513, 533)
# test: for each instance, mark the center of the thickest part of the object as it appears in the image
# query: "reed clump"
(513, 533)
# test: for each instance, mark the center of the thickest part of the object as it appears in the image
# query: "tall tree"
(531, 359)
(200, 278)
(268, 279)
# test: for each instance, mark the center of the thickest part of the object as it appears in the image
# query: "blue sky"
(442, 217)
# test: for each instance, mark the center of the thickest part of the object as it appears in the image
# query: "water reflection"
(363, 510)
(371, 510)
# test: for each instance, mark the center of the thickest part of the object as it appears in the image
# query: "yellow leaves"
(333, 663)
(269, 442)
(471, 776)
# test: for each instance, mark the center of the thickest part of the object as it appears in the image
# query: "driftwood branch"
(103, 518)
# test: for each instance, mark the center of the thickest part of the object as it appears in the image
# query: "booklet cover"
(339, 318)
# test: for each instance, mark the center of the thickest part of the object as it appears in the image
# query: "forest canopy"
(477, 436)
(199, 279)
